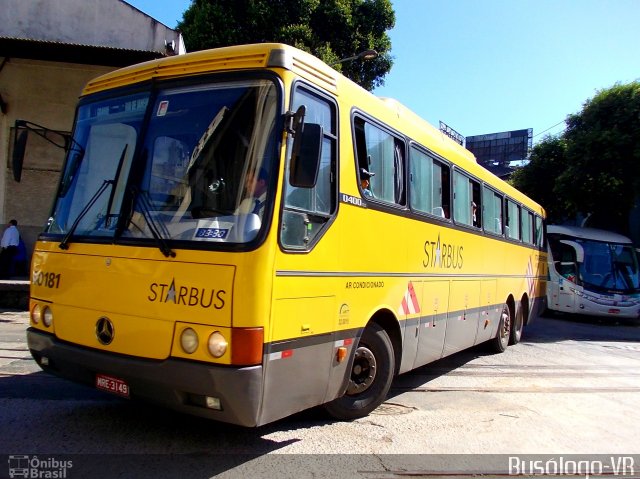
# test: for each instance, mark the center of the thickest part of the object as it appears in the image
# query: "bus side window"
(429, 184)
(492, 211)
(527, 227)
(467, 205)
(513, 220)
(538, 232)
(382, 154)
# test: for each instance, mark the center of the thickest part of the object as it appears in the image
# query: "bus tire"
(371, 376)
(517, 326)
(501, 341)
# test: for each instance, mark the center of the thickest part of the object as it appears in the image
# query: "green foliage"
(329, 29)
(604, 157)
(547, 160)
(599, 170)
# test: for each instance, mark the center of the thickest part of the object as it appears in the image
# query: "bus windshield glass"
(609, 266)
(188, 163)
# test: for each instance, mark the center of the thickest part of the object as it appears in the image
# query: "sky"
(485, 66)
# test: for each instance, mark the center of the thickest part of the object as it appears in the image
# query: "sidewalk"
(14, 293)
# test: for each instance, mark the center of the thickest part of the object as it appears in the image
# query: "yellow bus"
(243, 233)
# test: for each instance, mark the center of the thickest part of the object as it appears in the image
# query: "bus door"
(301, 369)
(489, 311)
(409, 312)
(462, 323)
(433, 322)
(564, 275)
(565, 298)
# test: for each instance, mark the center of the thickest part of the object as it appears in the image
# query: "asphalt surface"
(571, 387)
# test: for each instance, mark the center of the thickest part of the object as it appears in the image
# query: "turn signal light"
(341, 354)
(246, 346)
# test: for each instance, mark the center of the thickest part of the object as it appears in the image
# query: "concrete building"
(49, 49)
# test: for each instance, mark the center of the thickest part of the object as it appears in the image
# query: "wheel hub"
(506, 323)
(363, 372)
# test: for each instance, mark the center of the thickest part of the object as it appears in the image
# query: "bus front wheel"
(371, 376)
(501, 341)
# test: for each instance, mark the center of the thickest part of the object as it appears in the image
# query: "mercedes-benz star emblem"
(105, 331)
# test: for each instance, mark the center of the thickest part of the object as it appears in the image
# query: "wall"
(35, 88)
(45, 93)
(106, 23)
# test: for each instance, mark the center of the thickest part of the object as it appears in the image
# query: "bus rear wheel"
(501, 341)
(371, 376)
(517, 326)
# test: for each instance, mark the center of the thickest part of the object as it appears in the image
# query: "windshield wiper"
(153, 224)
(64, 244)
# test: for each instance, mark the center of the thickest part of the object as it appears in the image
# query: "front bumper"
(590, 308)
(178, 384)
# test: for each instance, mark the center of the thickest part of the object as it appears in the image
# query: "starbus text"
(187, 296)
(442, 255)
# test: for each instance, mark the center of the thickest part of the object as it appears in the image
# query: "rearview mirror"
(19, 146)
(56, 138)
(305, 151)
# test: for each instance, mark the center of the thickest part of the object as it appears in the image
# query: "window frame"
(495, 194)
(398, 138)
(508, 219)
(334, 137)
(445, 183)
(475, 184)
(527, 213)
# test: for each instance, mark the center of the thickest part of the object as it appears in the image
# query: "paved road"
(571, 387)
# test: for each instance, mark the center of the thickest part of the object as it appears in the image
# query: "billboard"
(501, 148)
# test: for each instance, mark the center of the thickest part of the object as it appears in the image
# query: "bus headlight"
(36, 314)
(217, 344)
(47, 317)
(189, 341)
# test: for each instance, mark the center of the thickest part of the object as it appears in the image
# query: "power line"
(544, 131)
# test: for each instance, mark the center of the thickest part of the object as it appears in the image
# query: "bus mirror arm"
(294, 120)
(577, 248)
(22, 129)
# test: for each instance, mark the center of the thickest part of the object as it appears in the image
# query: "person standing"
(9, 244)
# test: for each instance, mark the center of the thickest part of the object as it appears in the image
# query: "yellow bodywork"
(367, 260)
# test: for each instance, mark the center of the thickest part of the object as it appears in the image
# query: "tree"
(593, 168)
(328, 29)
(602, 176)
(536, 180)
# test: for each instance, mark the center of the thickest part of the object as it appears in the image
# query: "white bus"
(592, 272)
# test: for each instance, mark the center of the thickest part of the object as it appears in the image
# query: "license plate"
(112, 385)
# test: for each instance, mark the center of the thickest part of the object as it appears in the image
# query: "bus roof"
(588, 234)
(420, 130)
(279, 55)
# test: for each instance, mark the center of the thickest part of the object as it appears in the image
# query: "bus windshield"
(190, 163)
(609, 266)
